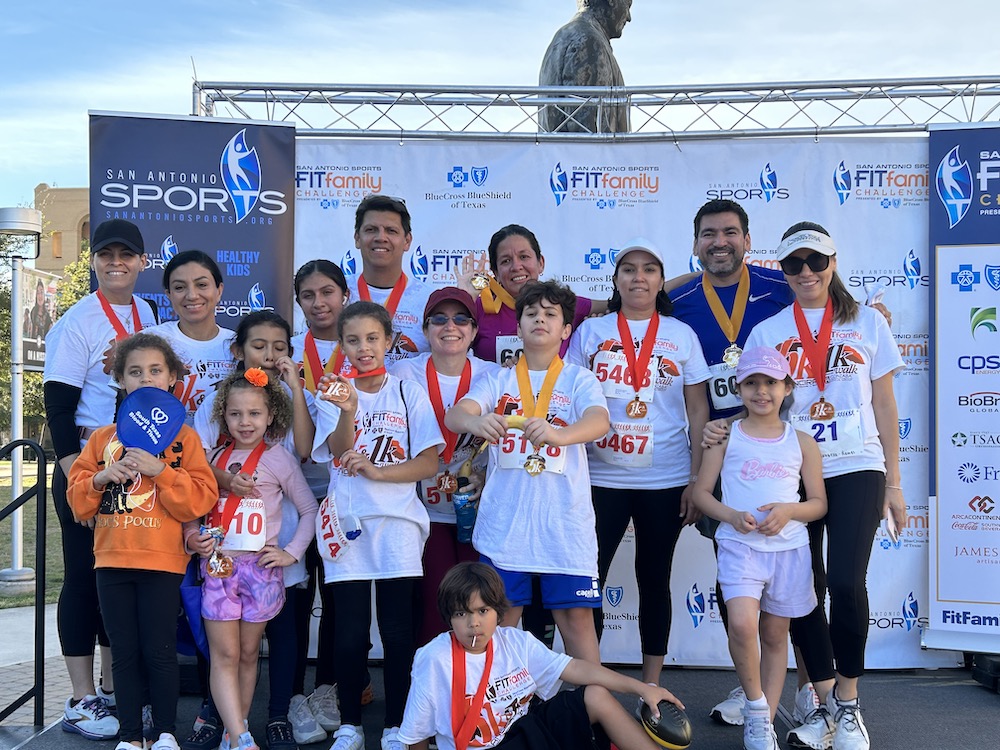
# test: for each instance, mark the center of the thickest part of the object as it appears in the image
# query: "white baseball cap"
(639, 243)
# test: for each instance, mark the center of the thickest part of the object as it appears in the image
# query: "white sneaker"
(323, 705)
(305, 728)
(806, 701)
(90, 718)
(730, 711)
(109, 700)
(166, 742)
(123, 745)
(816, 732)
(349, 737)
(850, 732)
(758, 734)
(390, 739)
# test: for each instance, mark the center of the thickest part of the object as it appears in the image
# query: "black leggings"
(141, 607)
(283, 653)
(396, 624)
(658, 525)
(855, 510)
(79, 612)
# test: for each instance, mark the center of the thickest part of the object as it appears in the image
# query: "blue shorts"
(558, 591)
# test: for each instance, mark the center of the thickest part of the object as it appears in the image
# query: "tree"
(75, 282)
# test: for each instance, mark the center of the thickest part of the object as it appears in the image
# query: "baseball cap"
(639, 243)
(810, 238)
(118, 231)
(450, 294)
(762, 360)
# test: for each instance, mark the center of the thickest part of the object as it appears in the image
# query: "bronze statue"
(580, 55)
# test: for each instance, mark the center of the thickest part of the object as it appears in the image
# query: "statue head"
(611, 14)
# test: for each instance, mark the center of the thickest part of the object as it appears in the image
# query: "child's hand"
(201, 544)
(116, 473)
(477, 480)
(242, 485)
(355, 463)
(778, 514)
(651, 695)
(539, 432)
(716, 432)
(490, 426)
(143, 462)
(274, 557)
(289, 372)
(689, 511)
(331, 387)
(744, 522)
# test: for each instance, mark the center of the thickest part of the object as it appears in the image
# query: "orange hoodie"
(139, 525)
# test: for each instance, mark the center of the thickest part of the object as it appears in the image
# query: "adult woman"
(843, 358)
(446, 374)
(80, 349)
(651, 369)
(193, 284)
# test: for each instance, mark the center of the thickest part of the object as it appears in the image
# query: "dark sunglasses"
(459, 319)
(792, 265)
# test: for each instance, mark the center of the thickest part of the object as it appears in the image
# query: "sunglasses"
(460, 319)
(792, 265)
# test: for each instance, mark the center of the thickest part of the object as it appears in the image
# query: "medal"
(638, 364)
(636, 409)
(732, 355)
(822, 411)
(338, 392)
(480, 281)
(447, 483)
(534, 464)
(816, 352)
(219, 565)
(312, 366)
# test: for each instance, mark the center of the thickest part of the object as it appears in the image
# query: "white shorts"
(781, 581)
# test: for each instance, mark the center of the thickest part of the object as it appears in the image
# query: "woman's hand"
(716, 432)
(895, 504)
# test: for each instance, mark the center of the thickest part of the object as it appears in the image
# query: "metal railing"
(38, 491)
(672, 113)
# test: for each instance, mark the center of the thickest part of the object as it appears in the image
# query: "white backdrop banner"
(584, 201)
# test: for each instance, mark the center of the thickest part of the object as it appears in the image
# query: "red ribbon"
(638, 366)
(394, 296)
(120, 332)
(815, 349)
(464, 720)
(313, 366)
(434, 390)
(232, 500)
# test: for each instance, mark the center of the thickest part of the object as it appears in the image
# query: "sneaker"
(147, 722)
(207, 735)
(730, 711)
(280, 735)
(349, 737)
(305, 728)
(166, 742)
(806, 701)
(758, 734)
(90, 718)
(390, 739)
(123, 745)
(247, 743)
(816, 732)
(368, 694)
(109, 700)
(323, 704)
(850, 732)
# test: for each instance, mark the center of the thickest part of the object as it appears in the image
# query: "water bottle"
(465, 511)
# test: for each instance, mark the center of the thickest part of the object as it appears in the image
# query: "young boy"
(536, 517)
(491, 674)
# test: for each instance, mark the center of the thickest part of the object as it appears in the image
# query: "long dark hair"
(324, 267)
(511, 230)
(845, 307)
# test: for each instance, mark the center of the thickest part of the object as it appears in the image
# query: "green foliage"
(33, 402)
(75, 282)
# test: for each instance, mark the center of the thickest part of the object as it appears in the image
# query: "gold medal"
(338, 392)
(448, 483)
(534, 464)
(732, 355)
(822, 411)
(480, 281)
(219, 565)
(636, 409)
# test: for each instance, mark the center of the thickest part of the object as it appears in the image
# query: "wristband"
(893, 487)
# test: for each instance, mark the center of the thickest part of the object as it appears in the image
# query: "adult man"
(580, 54)
(382, 234)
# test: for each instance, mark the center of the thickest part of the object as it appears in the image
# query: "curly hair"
(138, 341)
(277, 401)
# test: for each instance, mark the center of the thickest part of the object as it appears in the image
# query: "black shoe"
(207, 736)
(279, 735)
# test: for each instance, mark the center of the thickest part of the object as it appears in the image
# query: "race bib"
(615, 376)
(509, 349)
(515, 449)
(248, 530)
(627, 444)
(838, 437)
(722, 384)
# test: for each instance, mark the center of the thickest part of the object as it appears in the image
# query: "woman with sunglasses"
(446, 373)
(843, 357)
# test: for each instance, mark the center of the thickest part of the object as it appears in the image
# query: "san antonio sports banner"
(221, 186)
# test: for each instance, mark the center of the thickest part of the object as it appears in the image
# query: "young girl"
(384, 433)
(244, 586)
(763, 557)
(140, 501)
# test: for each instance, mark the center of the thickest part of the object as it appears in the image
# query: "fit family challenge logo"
(606, 188)
(957, 181)
(888, 185)
(335, 186)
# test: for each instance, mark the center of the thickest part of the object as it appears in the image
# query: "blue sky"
(59, 59)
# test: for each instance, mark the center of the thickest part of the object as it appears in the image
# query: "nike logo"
(752, 298)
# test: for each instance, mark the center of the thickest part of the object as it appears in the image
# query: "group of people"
(757, 398)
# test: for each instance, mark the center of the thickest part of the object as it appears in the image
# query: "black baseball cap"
(118, 231)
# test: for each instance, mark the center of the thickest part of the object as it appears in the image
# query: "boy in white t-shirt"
(500, 671)
(536, 517)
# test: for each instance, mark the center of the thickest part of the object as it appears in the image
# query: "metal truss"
(677, 113)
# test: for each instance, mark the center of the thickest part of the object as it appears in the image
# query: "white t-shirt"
(76, 346)
(438, 503)
(208, 363)
(407, 324)
(860, 351)
(656, 445)
(522, 668)
(545, 523)
(324, 349)
(394, 523)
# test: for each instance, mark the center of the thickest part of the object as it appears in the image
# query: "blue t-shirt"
(769, 293)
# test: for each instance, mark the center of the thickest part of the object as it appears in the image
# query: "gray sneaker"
(806, 701)
(730, 711)
(850, 732)
(816, 732)
(305, 728)
(323, 704)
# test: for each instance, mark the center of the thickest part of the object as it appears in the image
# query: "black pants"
(855, 510)
(284, 653)
(396, 626)
(79, 613)
(658, 524)
(140, 610)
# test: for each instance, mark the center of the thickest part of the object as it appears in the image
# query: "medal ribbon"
(394, 296)
(464, 721)
(353, 373)
(434, 391)
(815, 349)
(638, 365)
(494, 297)
(730, 324)
(232, 500)
(529, 407)
(120, 332)
(311, 363)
